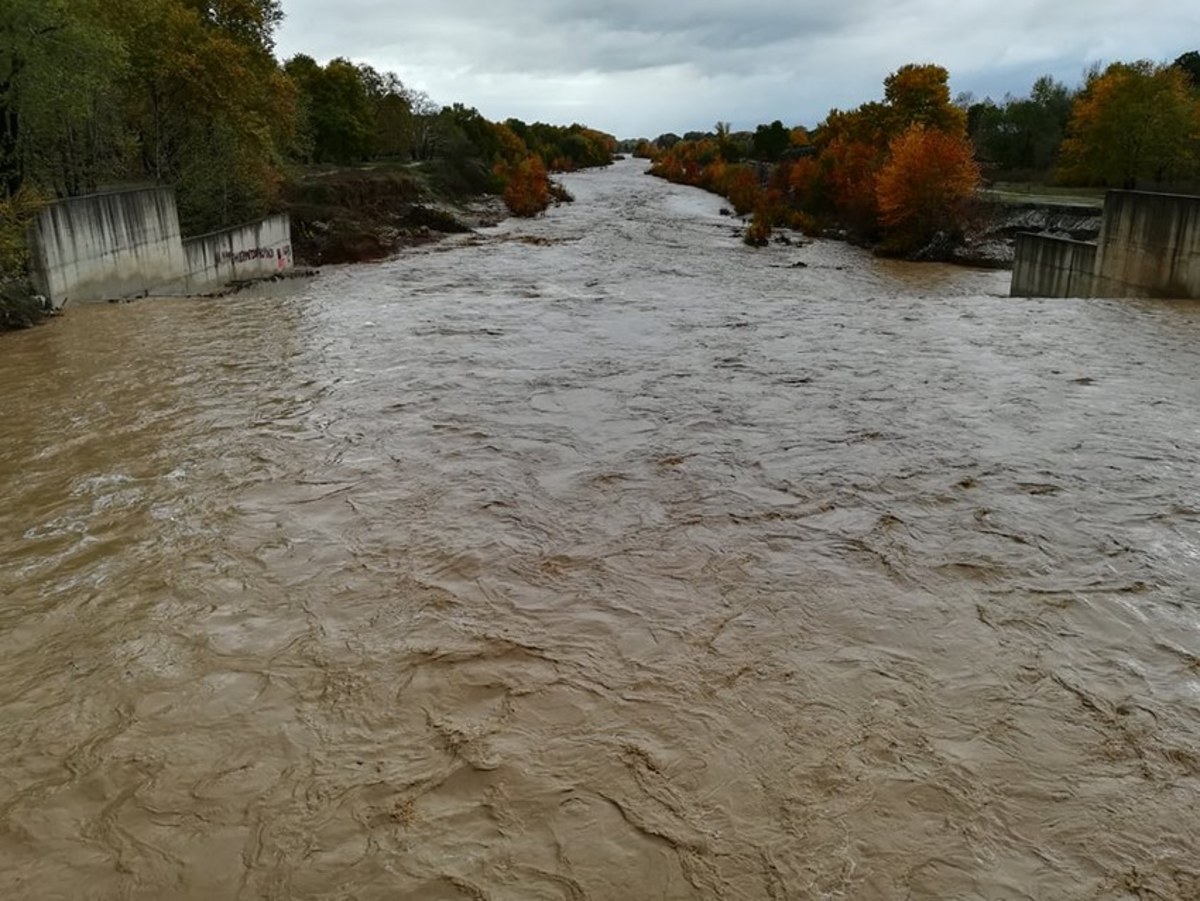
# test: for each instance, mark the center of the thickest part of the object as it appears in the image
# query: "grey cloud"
(626, 65)
(564, 36)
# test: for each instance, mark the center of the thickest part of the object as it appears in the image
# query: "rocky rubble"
(989, 242)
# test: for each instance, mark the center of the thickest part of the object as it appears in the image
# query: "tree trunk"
(11, 168)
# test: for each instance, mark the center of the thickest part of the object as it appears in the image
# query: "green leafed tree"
(250, 22)
(60, 73)
(1190, 63)
(1021, 138)
(339, 110)
(208, 105)
(770, 141)
(1133, 124)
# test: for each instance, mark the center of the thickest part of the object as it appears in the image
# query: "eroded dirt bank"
(601, 557)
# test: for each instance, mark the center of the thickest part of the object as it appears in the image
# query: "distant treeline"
(902, 171)
(100, 93)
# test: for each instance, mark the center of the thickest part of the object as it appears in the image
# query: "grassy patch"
(1032, 192)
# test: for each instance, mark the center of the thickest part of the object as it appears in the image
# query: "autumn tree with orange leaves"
(897, 170)
(925, 186)
(856, 147)
(527, 192)
(852, 148)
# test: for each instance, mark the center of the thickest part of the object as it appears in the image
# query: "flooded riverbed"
(601, 557)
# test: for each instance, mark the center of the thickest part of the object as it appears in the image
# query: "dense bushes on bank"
(897, 171)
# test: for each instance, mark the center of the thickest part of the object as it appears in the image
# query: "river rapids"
(598, 557)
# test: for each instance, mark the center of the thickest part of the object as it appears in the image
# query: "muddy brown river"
(602, 557)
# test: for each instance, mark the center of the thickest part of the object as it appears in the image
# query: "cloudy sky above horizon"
(643, 68)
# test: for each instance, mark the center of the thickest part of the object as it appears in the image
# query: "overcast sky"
(642, 68)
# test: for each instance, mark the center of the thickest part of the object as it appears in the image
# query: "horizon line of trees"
(900, 171)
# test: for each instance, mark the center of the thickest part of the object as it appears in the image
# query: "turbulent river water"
(602, 557)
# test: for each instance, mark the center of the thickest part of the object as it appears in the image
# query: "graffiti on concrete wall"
(281, 255)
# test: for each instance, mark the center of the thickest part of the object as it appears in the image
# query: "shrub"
(528, 190)
(742, 189)
(758, 234)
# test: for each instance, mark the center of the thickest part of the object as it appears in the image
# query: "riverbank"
(369, 213)
(982, 233)
(355, 215)
(337, 216)
(989, 240)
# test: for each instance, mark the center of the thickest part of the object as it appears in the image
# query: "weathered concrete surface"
(128, 244)
(1149, 246)
(108, 246)
(258, 250)
(1047, 266)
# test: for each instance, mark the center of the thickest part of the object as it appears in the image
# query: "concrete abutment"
(126, 244)
(1149, 246)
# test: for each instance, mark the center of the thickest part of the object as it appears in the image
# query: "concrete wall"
(1044, 266)
(237, 254)
(127, 244)
(1149, 246)
(107, 246)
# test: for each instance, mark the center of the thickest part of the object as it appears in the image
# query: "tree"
(842, 183)
(17, 214)
(1043, 121)
(60, 68)
(393, 125)
(423, 138)
(770, 141)
(1133, 122)
(727, 145)
(849, 167)
(251, 22)
(1190, 63)
(1022, 138)
(852, 147)
(339, 109)
(921, 94)
(206, 104)
(985, 122)
(925, 186)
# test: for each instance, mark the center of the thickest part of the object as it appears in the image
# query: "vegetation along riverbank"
(924, 176)
(98, 95)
